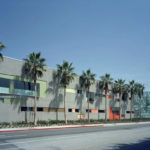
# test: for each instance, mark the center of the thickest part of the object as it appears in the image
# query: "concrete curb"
(67, 127)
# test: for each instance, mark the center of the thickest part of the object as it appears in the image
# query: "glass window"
(39, 108)
(23, 108)
(125, 96)
(87, 110)
(20, 87)
(25, 88)
(30, 108)
(91, 95)
(76, 110)
(4, 82)
(101, 111)
(25, 85)
(1, 100)
(19, 84)
(70, 110)
(79, 91)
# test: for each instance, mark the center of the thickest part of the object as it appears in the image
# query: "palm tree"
(132, 91)
(34, 67)
(119, 87)
(66, 75)
(87, 79)
(139, 88)
(104, 83)
(1, 48)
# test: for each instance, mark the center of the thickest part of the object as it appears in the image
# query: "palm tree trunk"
(120, 95)
(99, 107)
(65, 116)
(35, 105)
(105, 105)
(131, 109)
(140, 109)
(88, 105)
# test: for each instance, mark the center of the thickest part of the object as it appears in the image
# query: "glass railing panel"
(4, 90)
(25, 92)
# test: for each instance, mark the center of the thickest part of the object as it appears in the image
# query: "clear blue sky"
(107, 36)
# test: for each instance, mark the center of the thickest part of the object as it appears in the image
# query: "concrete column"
(11, 88)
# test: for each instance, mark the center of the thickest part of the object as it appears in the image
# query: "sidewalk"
(67, 126)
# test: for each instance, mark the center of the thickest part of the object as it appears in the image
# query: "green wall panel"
(7, 101)
(11, 86)
(43, 87)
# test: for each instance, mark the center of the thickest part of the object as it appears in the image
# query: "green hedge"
(62, 122)
(4, 124)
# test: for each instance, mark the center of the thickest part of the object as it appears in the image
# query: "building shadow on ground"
(141, 145)
(6, 145)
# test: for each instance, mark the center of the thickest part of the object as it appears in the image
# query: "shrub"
(19, 123)
(42, 122)
(4, 124)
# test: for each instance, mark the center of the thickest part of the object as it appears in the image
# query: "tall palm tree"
(139, 88)
(87, 79)
(132, 91)
(119, 87)
(104, 83)
(66, 75)
(34, 68)
(2, 46)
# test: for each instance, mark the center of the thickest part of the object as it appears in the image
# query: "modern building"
(143, 106)
(17, 97)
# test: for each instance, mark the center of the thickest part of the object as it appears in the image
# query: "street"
(124, 137)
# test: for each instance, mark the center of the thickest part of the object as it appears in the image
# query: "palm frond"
(65, 73)
(2, 46)
(105, 81)
(87, 79)
(34, 65)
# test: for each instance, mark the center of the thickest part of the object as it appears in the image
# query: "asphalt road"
(130, 137)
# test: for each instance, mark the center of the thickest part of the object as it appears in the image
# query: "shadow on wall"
(124, 106)
(141, 145)
(125, 99)
(124, 103)
(98, 98)
(21, 100)
(79, 98)
(54, 89)
(113, 102)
